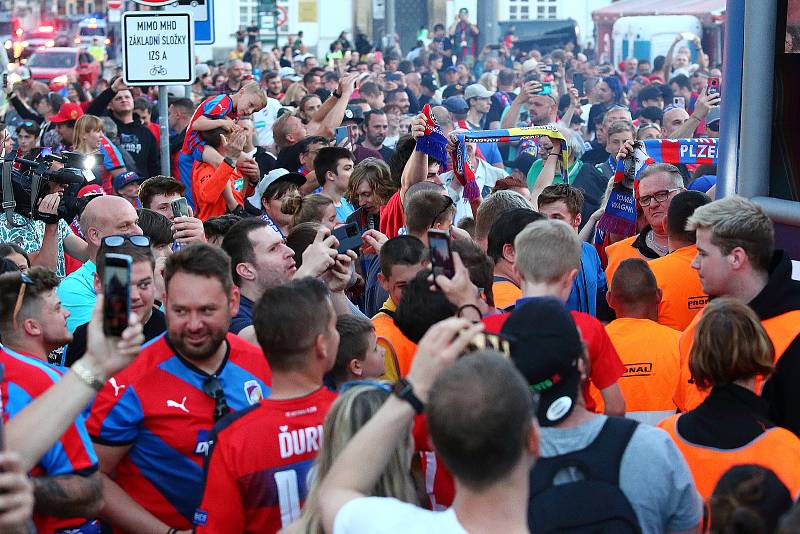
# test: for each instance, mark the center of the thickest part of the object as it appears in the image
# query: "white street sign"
(158, 48)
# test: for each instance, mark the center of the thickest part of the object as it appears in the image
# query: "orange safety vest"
(682, 293)
(652, 367)
(404, 348)
(619, 252)
(781, 329)
(777, 449)
(505, 292)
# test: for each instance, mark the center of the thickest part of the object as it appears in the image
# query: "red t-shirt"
(392, 218)
(607, 368)
(256, 474)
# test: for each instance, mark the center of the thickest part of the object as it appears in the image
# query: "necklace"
(655, 247)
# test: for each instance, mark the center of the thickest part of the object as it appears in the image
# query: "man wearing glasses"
(256, 475)
(658, 184)
(151, 423)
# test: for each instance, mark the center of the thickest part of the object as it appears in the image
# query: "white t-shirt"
(486, 177)
(378, 515)
(263, 120)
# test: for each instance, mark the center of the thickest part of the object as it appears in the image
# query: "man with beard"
(151, 422)
(375, 127)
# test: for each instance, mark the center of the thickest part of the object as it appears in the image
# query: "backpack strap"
(600, 460)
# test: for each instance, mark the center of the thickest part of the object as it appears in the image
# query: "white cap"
(476, 90)
(289, 73)
(529, 65)
(269, 179)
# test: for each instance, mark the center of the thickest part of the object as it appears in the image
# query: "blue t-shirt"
(77, 295)
(344, 210)
(590, 284)
(244, 317)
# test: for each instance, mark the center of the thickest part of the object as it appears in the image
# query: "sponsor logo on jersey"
(638, 369)
(252, 390)
(697, 303)
(200, 517)
(203, 444)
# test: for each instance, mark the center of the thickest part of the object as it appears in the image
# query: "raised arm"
(329, 116)
(416, 169)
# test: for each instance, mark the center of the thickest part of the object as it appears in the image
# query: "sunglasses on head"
(213, 388)
(119, 240)
(448, 202)
(25, 281)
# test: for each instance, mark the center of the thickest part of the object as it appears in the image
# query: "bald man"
(104, 216)
(649, 350)
(673, 120)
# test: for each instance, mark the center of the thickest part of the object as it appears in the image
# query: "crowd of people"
(292, 360)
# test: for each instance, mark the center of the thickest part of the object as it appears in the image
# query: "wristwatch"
(230, 162)
(404, 390)
(336, 94)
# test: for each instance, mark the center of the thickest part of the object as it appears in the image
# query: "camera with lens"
(29, 183)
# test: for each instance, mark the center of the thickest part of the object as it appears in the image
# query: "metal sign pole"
(163, 114)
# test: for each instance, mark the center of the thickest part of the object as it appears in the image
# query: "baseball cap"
(200, 70)
(353, 113)
(712, 120)
(451, 68)
(126, 178)
(453, 90)
(275, 175)
(429, 82)
(476, 90)
(529, 65)
(456, 105)
(545, 347)
(91, 189)
(288, 73)
(70, 111)
(24, 73)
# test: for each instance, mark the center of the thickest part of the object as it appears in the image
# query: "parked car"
(54, 65)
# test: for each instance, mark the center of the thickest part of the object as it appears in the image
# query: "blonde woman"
(731, 355)
(90, 141)
(312, 208)
(294, 94)
(358, 402)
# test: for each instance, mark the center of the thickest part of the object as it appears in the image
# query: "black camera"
(29, 184)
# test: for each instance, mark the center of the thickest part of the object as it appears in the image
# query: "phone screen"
(180, 207)
(679, 102)
(441, 256)
(116, 293)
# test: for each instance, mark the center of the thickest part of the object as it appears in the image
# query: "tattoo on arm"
(68, 495)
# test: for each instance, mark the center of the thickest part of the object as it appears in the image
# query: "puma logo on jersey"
(117, 388)
(180, 406)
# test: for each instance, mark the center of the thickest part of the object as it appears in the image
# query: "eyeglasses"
(448, 203)
(659, 196)
(213, 388)
(371, 383)
(25, 281)
(119, 240)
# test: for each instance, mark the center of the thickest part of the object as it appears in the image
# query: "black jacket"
(782, 390)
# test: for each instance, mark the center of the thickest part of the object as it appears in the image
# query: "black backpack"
(595, 504)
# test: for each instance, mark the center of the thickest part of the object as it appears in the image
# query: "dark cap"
(354, 113)
(429, 82)
(451, 68)
(126, 178)
(523, 162)
(545, 347)
(453, 90)
(456, 105)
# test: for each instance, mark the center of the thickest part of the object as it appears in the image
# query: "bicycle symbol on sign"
(158, 69)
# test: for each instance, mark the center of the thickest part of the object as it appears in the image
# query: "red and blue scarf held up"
(620, 211)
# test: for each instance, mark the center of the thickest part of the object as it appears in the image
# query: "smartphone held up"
(441, 255)
(116, 293)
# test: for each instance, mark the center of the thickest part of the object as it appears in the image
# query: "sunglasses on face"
(119, 240)
(213, 388)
